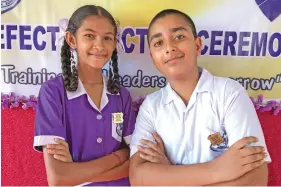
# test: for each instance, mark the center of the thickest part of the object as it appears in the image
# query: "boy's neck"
(185, 87)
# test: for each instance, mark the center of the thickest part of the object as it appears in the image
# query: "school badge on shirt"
(117, 118)
(219, 141)
(215, 139)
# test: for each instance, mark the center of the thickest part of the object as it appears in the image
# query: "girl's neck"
(89, 75)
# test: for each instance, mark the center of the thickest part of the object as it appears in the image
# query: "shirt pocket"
(117, 131)
(117, 122)
(217, 139)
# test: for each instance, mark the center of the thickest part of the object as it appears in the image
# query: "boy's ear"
(198, 43)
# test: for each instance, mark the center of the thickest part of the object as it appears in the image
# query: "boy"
(206, 122)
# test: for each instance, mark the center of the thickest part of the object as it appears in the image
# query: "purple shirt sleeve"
(48, 119)
(129, 117)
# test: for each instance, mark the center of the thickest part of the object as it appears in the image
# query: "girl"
(83, 119)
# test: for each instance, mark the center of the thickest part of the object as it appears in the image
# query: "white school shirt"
(217, 105)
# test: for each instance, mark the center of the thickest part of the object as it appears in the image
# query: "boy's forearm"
(256, 177)
(147, 173)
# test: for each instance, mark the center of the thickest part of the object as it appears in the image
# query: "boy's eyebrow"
(180, 28)
(158, 35)
(91, 30)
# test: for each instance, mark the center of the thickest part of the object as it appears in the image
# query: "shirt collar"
(204, 84)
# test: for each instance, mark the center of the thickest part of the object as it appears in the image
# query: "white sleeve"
(144, 127)
(240, 117)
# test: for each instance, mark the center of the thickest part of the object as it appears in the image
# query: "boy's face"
(173, 47)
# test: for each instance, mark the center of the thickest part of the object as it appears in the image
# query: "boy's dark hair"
(71, 78)
(166, 12)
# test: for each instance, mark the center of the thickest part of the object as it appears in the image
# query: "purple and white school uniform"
(90, 132)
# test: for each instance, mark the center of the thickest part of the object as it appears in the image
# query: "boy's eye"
(179, 37)
(158, 44)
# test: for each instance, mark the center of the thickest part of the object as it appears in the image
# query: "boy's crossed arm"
(239, 165)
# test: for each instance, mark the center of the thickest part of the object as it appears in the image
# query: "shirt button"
(99, 140)
(99, 117)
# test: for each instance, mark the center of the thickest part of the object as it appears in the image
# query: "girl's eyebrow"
(107, 33)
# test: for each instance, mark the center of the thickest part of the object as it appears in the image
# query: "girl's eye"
(89, 35)
(108, 38)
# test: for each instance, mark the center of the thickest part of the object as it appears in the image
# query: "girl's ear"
(70, 39)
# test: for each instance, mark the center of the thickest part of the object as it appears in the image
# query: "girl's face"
(94, 41)
(173, 47)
